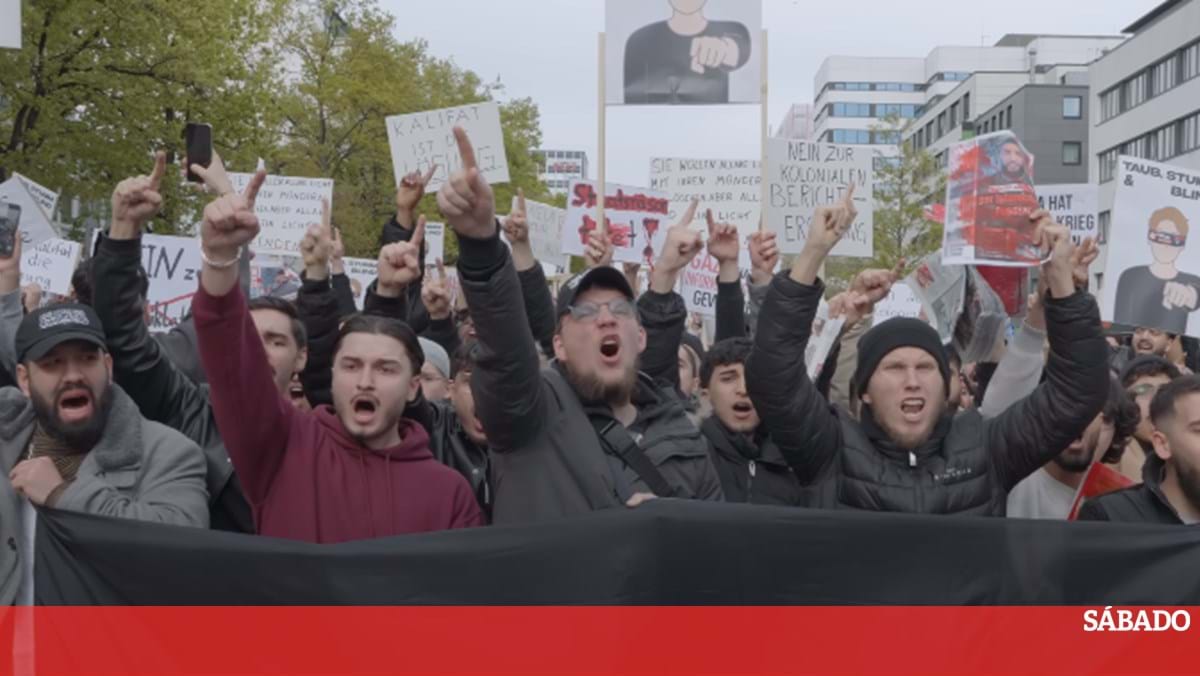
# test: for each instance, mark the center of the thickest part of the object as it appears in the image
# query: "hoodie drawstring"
(391, 506)
(362, 466)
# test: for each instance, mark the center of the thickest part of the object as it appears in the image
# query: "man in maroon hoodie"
(353, 471)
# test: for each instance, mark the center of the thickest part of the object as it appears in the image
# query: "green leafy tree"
(349, 81)
(99, 85)
(903, 188)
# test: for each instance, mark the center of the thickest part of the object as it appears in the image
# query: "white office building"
(854, 94)
(557, 168)
(1145, 99)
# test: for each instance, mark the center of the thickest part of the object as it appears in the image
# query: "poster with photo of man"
(1153, 276)
(683, 52)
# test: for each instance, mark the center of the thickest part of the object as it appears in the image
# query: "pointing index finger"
(848, 197)
(429, 174)
(325, 218)
(256, 183)
(465, 150)
(419, 233)
(690, 214)
(521, 201)
(160, 168)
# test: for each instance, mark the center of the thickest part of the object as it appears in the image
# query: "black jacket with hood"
(548, 460)
(969, 464)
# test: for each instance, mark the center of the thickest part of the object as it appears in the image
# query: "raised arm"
(725, 246)
(317, 307)
(764, 258)
(662, 311)
(239, 374)
(509, 396)
(793, 411)
(1032, 432)
(539, 306)
(11, 310)
(435, 294)
(162, 392)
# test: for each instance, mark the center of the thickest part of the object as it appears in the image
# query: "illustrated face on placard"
(1168, 235)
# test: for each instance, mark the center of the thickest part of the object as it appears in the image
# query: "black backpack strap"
(616, 441)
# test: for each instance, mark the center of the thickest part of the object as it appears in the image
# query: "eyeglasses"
(588, 312)
(1159, 237)
(1143, 390)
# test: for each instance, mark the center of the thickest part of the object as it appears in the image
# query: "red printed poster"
(637, 220)
(1010, 284)
(1100, 479)
(989, 197)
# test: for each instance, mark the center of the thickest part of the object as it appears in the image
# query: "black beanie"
(895, 333)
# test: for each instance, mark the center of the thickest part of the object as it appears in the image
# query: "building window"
(1010, 118)
(1162, 75)
(1135, 91)
(953, 115)
(966, 106)
(1072, 107)
(1072, 153)
(1001, 126)
(1190, 136)
(1110, 104)
(1103, 221)
(1191, 62)
(1108, 164)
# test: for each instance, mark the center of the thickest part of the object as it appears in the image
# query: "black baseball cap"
(46, 328)
(604, 277)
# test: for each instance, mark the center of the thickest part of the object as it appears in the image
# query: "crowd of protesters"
(313, 421)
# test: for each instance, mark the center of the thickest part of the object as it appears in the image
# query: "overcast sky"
(546, 49)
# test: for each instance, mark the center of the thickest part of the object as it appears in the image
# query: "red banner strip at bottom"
(610, 640)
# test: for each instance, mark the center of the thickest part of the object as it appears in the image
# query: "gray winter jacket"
(138, 470)
(548, 461)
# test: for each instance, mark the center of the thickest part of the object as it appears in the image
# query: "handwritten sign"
(803, 176)
(900, 302)
(173, 267)
(361, 271)
(731, 188)
(636, 218)
(286, 207)
(37, 204)
(435, 243)
(420, 140)
(1072, 205)
(50, 265)
(545, 231)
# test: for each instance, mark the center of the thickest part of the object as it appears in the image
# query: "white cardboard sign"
(286, 207)
(50, 265)
(803, 175)
(637, 220)
(420, 140)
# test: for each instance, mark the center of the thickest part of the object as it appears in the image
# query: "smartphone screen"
(10, 218)
(198, 137)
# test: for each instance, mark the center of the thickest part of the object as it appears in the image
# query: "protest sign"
(435, 243)
(660, 53)
(989, 197)
(698, 285)
(900, 302)
(286, 207)
(636, 218)
(731, 188)
(825, 332)
(545, 231)
(1157, 280)
(420, 140)
(50, 265)
(940, 290)
(803, 176)
(173, 266)
(10, 24)
(1072, 205)
(37, 206)
(361, 271)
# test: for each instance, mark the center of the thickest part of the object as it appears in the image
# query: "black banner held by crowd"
(664, 553)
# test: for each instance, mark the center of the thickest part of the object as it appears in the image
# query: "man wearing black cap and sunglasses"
(906, 453)
(590, 432)
(71, 439)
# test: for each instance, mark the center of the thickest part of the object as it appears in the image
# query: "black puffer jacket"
(969, 464)
(1143, 503)
(752, 469)
(453, 448)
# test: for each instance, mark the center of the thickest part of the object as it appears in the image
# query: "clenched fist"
(714, 53)
(435, 294)
(400, 263)
(230, 222)
(136, 200)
